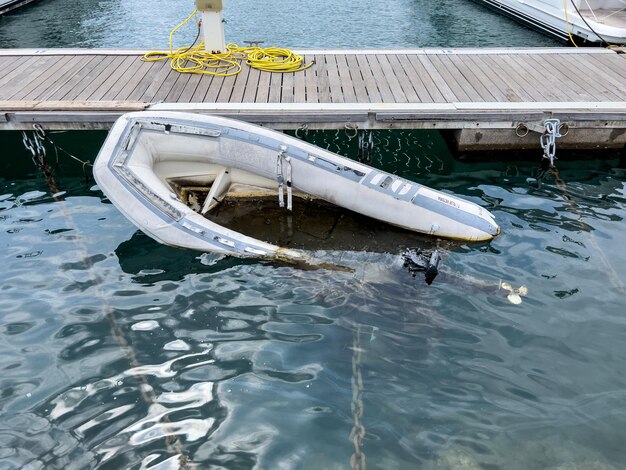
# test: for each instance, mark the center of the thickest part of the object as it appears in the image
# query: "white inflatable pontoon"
(148, 156)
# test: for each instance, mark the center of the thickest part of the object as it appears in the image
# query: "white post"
(212, 25)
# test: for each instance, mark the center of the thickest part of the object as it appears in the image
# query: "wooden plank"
(287, 93)
(190, 88)
(155, 70)
(178, 87)
(241, 83)
(135, 79)
(607, 78)
(18, 64)
(98, 81)
(156, 83)
(263, 88)
(23, 74)
(498, 66)
(392, 80)
(227, 89)
(478, 83)
(336, 93)
(311, 81)
(53, 72)
(496, 88)
(345, 78)
(112, 79)
(466, 86)
(53, 92)
(127, 75)
(379, 77)
(545, 83)
(92, 80)
(252, 85)
(202, 88)
(371, 87)
(214, 89)
(501, 90)
(540, 82)
(421, 92)
(61, 76)
(587, 79)
(417, 73)
(559, 79)
(420, 61)
(446, 77)
(614, 63)
(299, 87)
(8, 63)
(323, 82)
(65, 106)
(392, 63)
(166, 86)
(275, 86)
(358, 84)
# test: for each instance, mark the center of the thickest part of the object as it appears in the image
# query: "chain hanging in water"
(35, 145)
(548, 139)
(548, 144)
(357, 461)
(366, 147)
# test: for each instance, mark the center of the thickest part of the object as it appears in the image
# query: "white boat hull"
(145, 151)
(9, 5)
(599, 20)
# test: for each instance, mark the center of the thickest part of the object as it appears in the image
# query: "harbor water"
(118, 352)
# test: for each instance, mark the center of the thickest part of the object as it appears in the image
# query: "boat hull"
(145, 151)
(7, 6)
(549, 17)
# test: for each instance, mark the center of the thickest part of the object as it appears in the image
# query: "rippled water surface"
(118, 352)
(290, 23)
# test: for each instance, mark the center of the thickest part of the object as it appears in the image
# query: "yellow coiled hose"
(194, 59)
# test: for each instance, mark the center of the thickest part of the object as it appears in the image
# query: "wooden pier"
(492, 98)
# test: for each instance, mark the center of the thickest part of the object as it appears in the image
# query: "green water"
(118, 352)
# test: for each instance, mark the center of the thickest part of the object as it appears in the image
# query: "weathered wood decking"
(458, 89)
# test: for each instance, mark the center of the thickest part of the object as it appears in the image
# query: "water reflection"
(142, 24)
(122, 353)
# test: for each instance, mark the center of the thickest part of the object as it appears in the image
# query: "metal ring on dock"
(305, 128)
(521, 130)
(39, 131)
(564, 129)
(351, 127)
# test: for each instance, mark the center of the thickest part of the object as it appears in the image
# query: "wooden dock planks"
(486, 79)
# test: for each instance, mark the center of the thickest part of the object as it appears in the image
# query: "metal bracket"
(548, 139)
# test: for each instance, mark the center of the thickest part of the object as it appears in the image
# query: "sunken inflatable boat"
(149, 156)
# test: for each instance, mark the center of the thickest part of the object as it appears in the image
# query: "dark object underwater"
(416, 261)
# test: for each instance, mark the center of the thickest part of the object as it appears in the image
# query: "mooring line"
(615, 279)
(172, 442)
(357, 461)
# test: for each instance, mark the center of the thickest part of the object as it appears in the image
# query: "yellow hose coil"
(194, 59)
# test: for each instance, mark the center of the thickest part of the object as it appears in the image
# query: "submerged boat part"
(416, 261)
(515, 295)
(149, 156)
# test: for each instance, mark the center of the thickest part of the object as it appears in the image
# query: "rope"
(172, 441)
(569, 32)
(196, 60)
(615, 279)
(357, 461)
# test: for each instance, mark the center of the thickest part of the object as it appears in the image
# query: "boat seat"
(218, 189)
